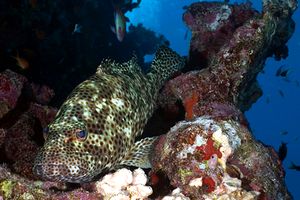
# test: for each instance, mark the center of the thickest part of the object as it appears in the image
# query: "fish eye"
(81, 134)
(45, 132)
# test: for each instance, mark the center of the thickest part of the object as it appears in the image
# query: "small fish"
(21, 62)
(61, 61)
(267, 100)
(284, 132)
(96, 127)
(282, 72)
(282, 151)
(294, 167)
(77, 28)
(281, 93)
(120, 25)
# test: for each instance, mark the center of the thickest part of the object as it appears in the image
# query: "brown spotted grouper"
(96, 127)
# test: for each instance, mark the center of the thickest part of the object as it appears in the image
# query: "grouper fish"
(96, 127)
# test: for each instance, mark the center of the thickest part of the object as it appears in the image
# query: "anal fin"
(138, 155)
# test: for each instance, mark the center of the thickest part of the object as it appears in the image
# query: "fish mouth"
(61, 173)
(62, 167)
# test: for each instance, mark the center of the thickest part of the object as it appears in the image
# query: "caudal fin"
(164, 65)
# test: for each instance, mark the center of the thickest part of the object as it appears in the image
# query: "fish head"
(66, 155)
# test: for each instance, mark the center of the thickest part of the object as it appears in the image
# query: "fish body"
(21, 62)
(120, 24)
(95, 128)
(282, 71)
(77, 29)
(281, 93)
(268, 100)
(282, 151)
(294, 167)
(284, 132)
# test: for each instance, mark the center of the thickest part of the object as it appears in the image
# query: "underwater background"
(62, 45)
(274, 118)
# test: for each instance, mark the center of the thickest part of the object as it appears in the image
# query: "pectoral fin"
(138, 155)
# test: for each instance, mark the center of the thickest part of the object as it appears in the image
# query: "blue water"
(272, 113)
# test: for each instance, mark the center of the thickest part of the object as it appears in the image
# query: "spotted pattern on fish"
(96, 127)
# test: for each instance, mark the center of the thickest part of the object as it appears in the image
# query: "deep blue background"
(272, 113)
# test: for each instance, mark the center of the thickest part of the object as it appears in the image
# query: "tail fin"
(164, 65)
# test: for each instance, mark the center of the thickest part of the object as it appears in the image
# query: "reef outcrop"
(212, 154)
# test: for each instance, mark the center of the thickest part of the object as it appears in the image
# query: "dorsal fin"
(110, 66)
(164, 65)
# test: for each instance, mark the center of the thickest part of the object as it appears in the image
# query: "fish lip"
(39, 169)
(47, 170)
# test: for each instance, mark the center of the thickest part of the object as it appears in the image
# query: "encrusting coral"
(208, 158)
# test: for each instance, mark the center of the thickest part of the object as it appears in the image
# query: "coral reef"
(123, 184)
(210, 155)
(209, 158)
(22, 119)
(212, 25)
(176, 195)
(230, 76)
(13, 186)
(213, 154)
(10, 89)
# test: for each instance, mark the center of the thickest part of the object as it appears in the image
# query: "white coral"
(139, 177)
(176, 195)
(124, 185)
(139, 191)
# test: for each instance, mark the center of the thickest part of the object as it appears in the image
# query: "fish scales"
(95, 128)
